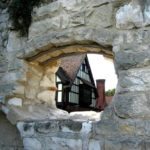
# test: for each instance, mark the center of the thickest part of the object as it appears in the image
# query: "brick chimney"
(100, 102)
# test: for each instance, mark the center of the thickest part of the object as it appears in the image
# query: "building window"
(59, 98)
(85, 95)
(73, 98)
(59, 89)
(83, 67)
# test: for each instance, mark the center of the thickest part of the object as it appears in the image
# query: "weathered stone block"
(5, 35)
(4, 18)
(19, 90)
(3, 26)
(47, 97)
(129, 105)
(26, 129)
(47, 127)
(44, 26)
(147, 127)
(86, 128)
(3, 66)
(45, 11)
(134, 80)
(72, 5)
(129, 59)
(15, 102)
(12, 76)
(85, 116)
(129, 16)
(65, 20)
(147, 145)
(101, 17)
(113, 145)
(134, 14)
(127, 128)
(5, 109)
(106, 37)
(97, 3)
(32, 144)
(132, 144)
(15, 42)
(45, 82)
(6, 88)
(96, 145)
(2, 99)
(140, 127)
(77, 19)
(10, 138)
(70, 126)
(61, 143)
(35, 112)
(31, 93)
(106, 127)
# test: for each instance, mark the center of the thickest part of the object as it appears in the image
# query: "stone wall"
(58, 29)
(64, 27)
(9, 135)
(72, 135)
(3, 51)
(56, 134)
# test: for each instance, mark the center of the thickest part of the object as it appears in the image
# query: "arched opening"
(85, 82)
(40, 80)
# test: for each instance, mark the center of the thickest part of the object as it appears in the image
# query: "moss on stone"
(20, 14)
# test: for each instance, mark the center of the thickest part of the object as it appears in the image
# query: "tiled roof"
(71, 65)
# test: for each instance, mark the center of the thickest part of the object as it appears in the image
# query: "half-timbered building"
(75, 83)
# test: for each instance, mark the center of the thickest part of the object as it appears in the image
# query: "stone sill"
(41, 112)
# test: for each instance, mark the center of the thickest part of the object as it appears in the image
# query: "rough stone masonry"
(63, 27)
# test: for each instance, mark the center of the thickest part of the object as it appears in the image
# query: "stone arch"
(57, 44)
(45, 64)
(40, 63)
(51, 54)
(98, 41)
(33, 54)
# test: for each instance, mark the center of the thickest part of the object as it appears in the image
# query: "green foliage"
(110, 92)
(20, 14)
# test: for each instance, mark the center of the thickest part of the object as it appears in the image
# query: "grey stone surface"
(132, 144)
(58, 134)
(132, 15)
(127, 137)
(105, 127)
(109, 145)
(127, 60)
(101, 17)
(47, 127)
(96, 145)
(10, 138)
(134, 80)
(35, 112)
(32, 144)
(61, 143)
(72, 26)
(2, 99)
(147, 145)
(26, 129)
(129, 105)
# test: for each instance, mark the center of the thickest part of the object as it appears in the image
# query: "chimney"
(100, 102)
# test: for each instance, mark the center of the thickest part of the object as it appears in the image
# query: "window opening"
(78, 89)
